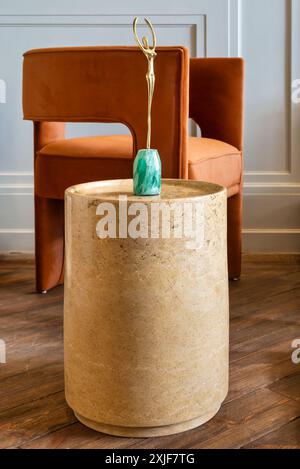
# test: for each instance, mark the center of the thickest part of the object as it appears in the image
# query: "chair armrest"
(217, 98)
(47, 132)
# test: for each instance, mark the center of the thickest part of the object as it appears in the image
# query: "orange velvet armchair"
(107, 84)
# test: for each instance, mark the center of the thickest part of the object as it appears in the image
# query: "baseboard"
(272, 241)
(21, 240)
(17, 257)
(272, 257)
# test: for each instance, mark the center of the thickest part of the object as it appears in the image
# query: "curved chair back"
(216, 98)
(107, 84)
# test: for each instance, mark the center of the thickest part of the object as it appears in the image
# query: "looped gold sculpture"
(147, 164)
(150, 54)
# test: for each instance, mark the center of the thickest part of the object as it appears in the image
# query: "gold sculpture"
(150, 54)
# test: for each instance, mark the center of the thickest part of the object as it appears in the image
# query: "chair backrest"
(107, 84)
(217, 98)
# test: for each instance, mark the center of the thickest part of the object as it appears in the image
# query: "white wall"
(263, 31)
(270, 42)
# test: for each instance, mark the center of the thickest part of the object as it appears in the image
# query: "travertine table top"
(172, 189)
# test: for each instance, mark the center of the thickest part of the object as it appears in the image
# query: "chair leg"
(234, 236)
(49, 242)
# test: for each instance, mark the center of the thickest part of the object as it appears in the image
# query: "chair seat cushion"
(214, 161)
(64, 163)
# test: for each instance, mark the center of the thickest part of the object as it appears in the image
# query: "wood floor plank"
(264, 336)
(19, 300)
(230, 425)
(68, 437)
(253, 376)
(288, 386)
(33, 385)
(77, 436)
(263, 406)
(248, 407)
(253, 428)
(286, 437)
(261, 368)
(32, 339)
(259, 285)
(37, 418)
(184, 440)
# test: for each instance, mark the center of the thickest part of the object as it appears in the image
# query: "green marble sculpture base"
(147, 173)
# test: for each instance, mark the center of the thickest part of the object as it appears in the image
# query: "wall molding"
(223, 36)
(194, 21)
(271, 241)
(16, 231)
(234, 28)
(271, 188)
(200, 23)
(268, 231)
(13, 181)
(16, 241)
(272, 198)
(292, 172)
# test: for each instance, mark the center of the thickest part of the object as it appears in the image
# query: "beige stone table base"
(146, 432)
(145, 318)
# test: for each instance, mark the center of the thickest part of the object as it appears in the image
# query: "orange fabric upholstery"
(214, 161)
(217, 106)
(83, 159)
(107, 84)
(217, 98)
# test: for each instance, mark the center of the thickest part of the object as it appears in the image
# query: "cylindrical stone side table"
(146, 306)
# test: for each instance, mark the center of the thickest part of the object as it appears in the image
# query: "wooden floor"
(263, 406)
